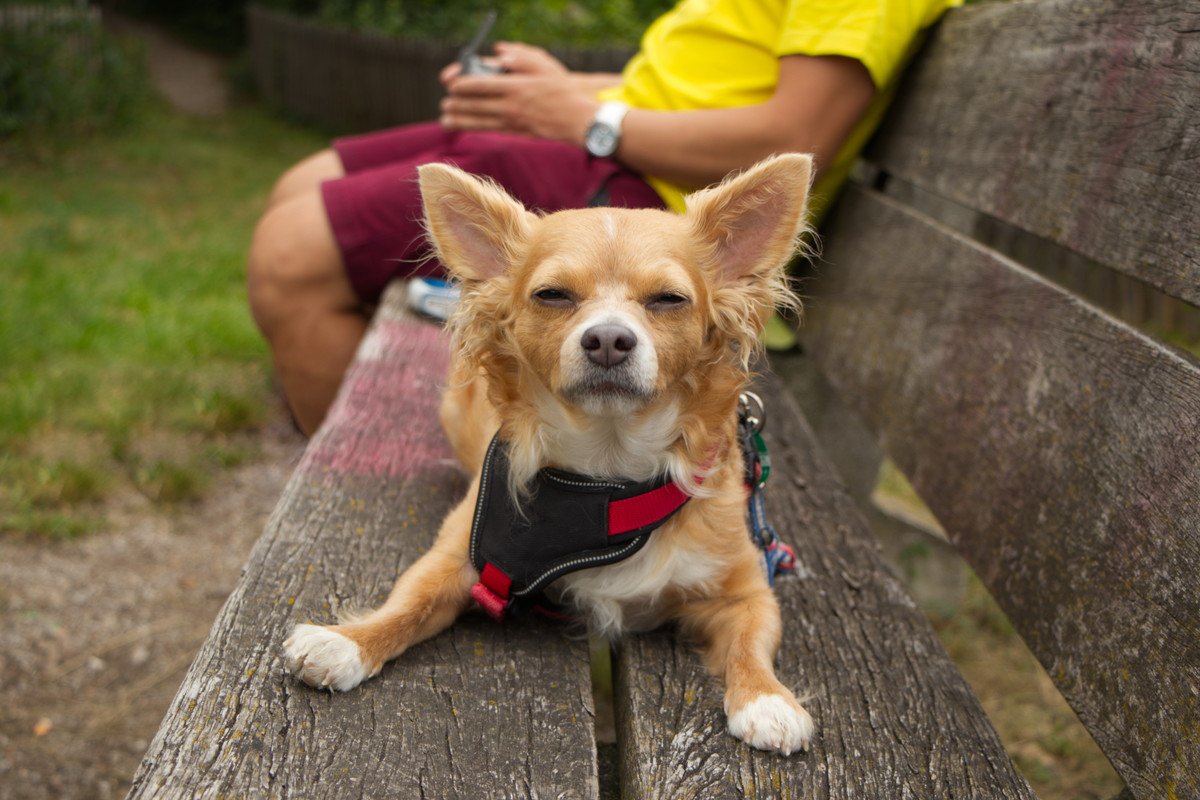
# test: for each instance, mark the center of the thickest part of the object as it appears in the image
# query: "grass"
(128, 359)
(1047, 742)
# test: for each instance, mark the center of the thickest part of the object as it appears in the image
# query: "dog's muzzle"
(608, 366)
(608, 345)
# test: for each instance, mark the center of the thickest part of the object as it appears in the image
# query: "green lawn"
(128, 358)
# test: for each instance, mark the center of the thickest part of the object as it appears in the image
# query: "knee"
(266, 274)
(306, 176)
(286, 271)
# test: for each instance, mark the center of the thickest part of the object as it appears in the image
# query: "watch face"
(602, 140)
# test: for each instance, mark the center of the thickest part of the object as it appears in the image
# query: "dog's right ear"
(478, 229)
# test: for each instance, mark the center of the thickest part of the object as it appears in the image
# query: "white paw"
(325, 659)
(773, 722)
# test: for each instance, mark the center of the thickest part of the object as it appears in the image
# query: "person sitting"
(716, 86)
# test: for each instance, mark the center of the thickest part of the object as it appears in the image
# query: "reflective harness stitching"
(583, 526)
(579, 563)
(574, 522)
(483, 487)
(631, 513)
(566, 482)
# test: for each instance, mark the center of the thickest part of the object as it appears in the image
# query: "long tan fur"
(516, 369)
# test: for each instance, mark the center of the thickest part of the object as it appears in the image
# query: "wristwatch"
(604, 134)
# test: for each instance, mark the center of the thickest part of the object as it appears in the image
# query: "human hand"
(546, 102)
(454, 69)
(513, 57)
(526, 59)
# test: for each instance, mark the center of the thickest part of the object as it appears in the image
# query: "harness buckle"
(492, 603)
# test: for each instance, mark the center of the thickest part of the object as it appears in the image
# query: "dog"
(596, 350)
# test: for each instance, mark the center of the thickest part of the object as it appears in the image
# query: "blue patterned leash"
(777, 556)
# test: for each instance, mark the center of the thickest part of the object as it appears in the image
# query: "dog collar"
(570, 522)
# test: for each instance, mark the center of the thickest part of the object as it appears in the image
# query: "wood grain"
(1077, 120)
(895, 718)
(1061, 451)
(484, 710)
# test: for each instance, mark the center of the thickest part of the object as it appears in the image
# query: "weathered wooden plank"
(483, 710)
(1061, 451)
(894, 717)
(1078, 120)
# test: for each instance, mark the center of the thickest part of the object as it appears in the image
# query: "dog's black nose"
(608, 345)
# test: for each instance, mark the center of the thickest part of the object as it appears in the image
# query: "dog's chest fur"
(630, 594)
(634, 594)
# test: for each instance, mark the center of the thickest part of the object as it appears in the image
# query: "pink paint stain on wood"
(384, 422)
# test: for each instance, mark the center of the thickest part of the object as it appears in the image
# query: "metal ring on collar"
(752, 409)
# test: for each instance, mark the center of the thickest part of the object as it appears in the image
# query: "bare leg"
(304, 304)
(428, 597)
(739, 635)
(306, 176)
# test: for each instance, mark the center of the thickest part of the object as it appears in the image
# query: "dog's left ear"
(477, 228)
(751, 221)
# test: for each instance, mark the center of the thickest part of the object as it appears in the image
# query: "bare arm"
(816, 104)
(593, 82)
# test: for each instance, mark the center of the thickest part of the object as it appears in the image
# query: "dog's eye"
(667, 301)
(555, 298)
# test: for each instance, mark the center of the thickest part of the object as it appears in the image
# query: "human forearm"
(697, 148)
(816, 105)
(596, 81)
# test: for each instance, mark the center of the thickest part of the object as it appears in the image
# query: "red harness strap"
(492, 592)
(644, 509)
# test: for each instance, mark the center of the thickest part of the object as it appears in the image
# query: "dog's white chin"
(608, 403)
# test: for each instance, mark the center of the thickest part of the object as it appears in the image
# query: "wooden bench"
(1059, 447)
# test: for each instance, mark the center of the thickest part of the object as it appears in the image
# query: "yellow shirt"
(725, 53)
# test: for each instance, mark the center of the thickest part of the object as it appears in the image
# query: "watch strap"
(612, 113)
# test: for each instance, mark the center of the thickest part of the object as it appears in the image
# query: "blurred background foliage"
(608, 23)
(60, 72)
(220, 24)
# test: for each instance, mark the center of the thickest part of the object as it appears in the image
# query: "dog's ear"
(750, 222)
(477, 228)
(748, 228)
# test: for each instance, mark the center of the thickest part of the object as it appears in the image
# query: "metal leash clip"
(752, 417)
(752, 409)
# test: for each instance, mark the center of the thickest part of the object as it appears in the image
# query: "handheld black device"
(469, 57)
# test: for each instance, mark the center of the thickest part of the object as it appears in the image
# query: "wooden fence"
(73, 27)
(349, 81)
(42, 15)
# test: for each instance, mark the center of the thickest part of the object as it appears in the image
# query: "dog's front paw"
(773, 722)
(325, 658)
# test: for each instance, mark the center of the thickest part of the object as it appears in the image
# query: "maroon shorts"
(375, 210)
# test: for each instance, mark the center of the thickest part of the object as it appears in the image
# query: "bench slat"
(895, 718)
(483, 710)
(1059, 448)
(1077, 120)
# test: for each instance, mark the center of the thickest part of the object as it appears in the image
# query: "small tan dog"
(612, 344)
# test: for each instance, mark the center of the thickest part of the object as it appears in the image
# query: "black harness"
(572, 522)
